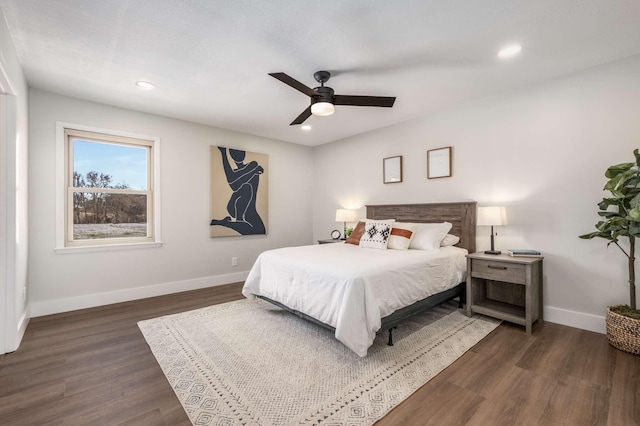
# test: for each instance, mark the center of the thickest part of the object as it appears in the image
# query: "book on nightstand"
(524, 253)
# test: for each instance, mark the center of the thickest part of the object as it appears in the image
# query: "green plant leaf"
(634, 214)
(636, 153)
(634, 229)
(606, 202)
(618, 234)
(617, 193)
(608, 214)
(614, 171)
(632, 183)
(590, 235)
(624, 183)
(617, 222)
(634, 191)
(612, 184)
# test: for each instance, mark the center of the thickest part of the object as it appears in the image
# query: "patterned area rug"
(250, 363)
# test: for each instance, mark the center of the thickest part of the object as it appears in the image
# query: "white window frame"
(64, 189)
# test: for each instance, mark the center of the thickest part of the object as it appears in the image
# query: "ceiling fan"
(323, 100)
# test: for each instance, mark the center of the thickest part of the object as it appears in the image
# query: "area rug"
(250, 363)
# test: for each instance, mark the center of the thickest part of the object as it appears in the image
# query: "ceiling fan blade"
(302, 117)
(374, 101)
(289, 81)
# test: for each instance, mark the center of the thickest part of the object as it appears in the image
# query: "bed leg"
(390, 343)
(462, 299)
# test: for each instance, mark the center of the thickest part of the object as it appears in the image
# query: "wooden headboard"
(462, 217)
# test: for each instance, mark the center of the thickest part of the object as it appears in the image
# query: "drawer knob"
(503, 268)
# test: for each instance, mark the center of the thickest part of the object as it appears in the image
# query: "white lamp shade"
(491, 216)
(322, 109)
(346, 215)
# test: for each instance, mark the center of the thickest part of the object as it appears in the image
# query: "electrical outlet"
(234, 261)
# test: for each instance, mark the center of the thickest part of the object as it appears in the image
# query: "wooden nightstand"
(329, 241)
(505, 287)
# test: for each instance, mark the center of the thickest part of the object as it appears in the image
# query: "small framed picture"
(392, 169)
(439, 163)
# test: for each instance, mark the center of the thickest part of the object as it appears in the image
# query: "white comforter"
(352, 288)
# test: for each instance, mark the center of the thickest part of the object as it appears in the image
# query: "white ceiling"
(210, 59)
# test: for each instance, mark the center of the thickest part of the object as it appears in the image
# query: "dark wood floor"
(93, 367)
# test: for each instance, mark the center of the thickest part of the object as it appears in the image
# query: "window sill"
(108, 247)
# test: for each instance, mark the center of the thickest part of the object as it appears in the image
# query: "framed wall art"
(392, 169)
(239, 192)
(439, 163)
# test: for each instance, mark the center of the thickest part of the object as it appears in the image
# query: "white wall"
(14, 196)
(188, 258)
(541, 151)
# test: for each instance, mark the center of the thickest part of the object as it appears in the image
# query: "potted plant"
(620, 215)
(348, 231)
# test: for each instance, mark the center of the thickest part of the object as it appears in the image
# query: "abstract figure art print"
(239, 192)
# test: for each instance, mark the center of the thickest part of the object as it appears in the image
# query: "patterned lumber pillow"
(401, 235)
(355, 236)
(376, 234)
(429, 235)
(449, 240)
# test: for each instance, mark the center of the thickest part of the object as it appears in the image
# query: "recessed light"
(306, 127)
(509, 51)
(145, 84)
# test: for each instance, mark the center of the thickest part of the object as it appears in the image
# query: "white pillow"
(429, 235)
(449, 240)
(401, 235)
(376, 234)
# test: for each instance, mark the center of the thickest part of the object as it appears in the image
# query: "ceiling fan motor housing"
(325, 94)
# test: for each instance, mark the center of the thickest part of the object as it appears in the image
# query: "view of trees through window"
(109, 189)
(106, 214)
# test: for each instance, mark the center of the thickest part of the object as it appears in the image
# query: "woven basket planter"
(623, 332)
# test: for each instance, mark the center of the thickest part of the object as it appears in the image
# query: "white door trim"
(8, 320)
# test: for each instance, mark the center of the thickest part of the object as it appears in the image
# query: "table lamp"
(344, 216)
(492, 216)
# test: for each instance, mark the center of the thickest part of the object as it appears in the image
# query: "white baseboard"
(56, 306)
(575, 319)
(37, 309)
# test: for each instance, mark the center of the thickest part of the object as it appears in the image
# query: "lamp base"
(492, 252)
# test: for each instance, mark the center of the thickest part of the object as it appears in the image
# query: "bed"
(358, 292)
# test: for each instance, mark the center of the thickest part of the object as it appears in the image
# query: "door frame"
(8, 225)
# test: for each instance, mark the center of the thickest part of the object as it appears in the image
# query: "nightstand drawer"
(499, 271)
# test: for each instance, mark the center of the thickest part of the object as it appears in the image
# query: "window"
(109, 181)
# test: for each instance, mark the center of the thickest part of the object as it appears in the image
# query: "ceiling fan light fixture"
(322, 109)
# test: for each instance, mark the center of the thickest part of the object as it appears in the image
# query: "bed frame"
(462, 217)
